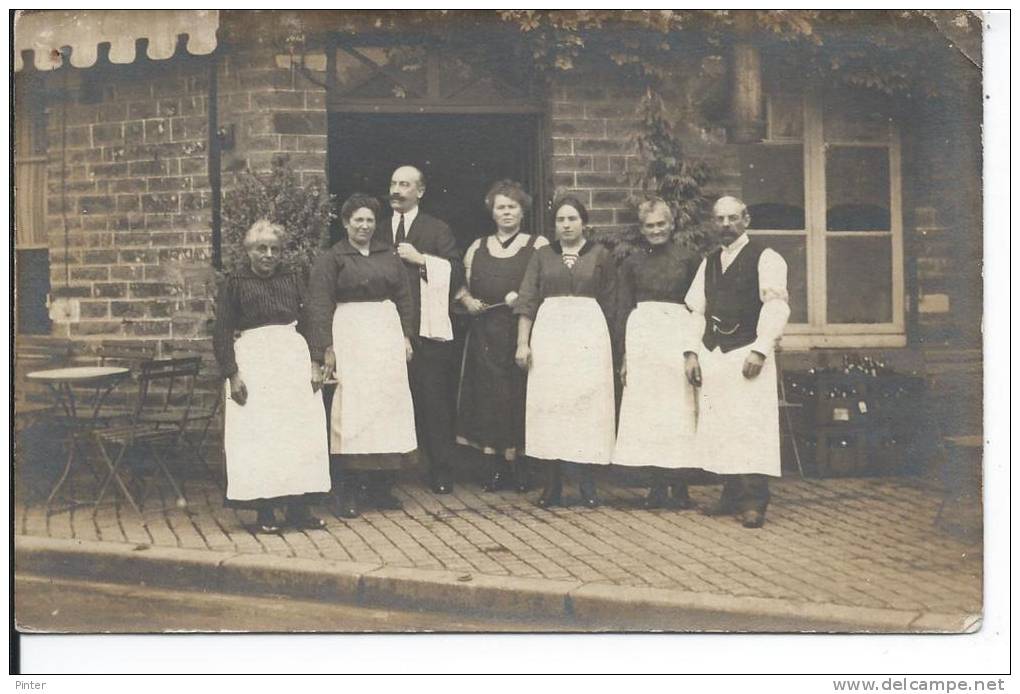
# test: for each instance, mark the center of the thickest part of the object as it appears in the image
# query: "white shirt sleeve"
(775, 310)
(695, 300)
(469, 257)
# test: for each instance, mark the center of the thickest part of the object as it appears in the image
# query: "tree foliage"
(304, 211)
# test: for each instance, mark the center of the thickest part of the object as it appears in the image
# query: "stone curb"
(588, 607)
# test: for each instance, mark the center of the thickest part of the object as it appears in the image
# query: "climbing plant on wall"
(304, 211)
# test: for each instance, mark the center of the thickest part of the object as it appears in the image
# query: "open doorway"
(460, 154)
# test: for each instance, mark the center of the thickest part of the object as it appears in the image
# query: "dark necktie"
(400, 232)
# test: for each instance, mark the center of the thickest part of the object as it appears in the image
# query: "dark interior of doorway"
(460, 154)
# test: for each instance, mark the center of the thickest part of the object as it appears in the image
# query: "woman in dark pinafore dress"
(491, 403)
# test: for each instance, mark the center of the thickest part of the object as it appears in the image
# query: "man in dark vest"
(423, 243)
(740, 307)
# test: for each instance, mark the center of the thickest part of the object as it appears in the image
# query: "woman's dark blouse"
(248, 301)
(654, 273)
(342, 274)
(593, 275)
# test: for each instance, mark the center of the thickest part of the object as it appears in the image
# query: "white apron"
(658, 411)
(570, 410)
(372, 410)
(738, 418)
(275, 444)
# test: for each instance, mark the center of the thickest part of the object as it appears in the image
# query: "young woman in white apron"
(274, 428)
(564, 312)
(657, 413)
(360, 316)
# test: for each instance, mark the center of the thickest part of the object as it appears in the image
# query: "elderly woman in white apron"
(274, 438)
(564, 310)
(361, 319)
(657, 413)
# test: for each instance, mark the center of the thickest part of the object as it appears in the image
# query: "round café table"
(62, 383)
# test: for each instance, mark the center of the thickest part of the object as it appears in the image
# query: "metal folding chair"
(165, 391)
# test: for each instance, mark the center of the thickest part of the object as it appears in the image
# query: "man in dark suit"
(416, 235)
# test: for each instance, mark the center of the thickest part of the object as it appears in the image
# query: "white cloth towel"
(435, 300)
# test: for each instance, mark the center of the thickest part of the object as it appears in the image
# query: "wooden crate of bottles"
(857, 419)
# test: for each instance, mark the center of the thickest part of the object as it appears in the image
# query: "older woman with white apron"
(658, 412)
(361, 320)
(564, 309)
(274, 440)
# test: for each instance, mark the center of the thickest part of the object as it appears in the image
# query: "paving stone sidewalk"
(868, 543)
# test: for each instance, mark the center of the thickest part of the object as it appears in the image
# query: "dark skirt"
(491, 402)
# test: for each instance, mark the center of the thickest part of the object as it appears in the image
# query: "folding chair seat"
(165, 391)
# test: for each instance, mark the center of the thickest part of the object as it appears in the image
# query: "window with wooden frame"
(32, 263)
(823, 189)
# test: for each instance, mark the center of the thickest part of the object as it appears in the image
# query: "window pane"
(793, 249)
(859, 279)
(395, 69)
(773, 185)
(786, 117)
(857, 189)
(855, 118)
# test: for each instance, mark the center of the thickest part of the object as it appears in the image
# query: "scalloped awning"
(44, 33)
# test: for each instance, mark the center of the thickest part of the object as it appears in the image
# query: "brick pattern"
(136, 202)
(592, 150)
(275, 111)
(854, 542)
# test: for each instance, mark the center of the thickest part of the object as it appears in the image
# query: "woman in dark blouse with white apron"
(657, 413)
(565, 311)
(274, 439)
(360, 323)
(490, 406)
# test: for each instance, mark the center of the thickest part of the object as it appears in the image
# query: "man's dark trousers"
(431, 370)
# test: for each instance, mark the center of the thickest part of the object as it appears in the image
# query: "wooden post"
(747, 101)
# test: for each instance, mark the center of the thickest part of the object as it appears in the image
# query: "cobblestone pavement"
(855, 542)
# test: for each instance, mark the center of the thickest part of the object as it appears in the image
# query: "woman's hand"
(510, 299)
(474, 306)
(523, 357)
(238, 391)
(329, 363)
(316, 377)
(408, 349)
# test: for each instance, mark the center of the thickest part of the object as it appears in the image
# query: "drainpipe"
(747, 100)
(214, 159)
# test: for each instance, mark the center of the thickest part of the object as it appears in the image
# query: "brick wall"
(139, 209)
(136, 199)
(275, 110)
(593, 121)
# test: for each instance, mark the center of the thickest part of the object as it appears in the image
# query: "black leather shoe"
(441, 483)
(551, 496)
(752, 518)
(681, 497)
(500, 480)
(657, 497)
(347, 505)
(265, 522)
(385, 501)
(719, 510)
(589, 495)
(306, 521)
